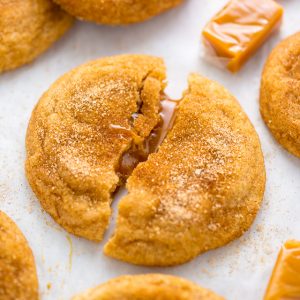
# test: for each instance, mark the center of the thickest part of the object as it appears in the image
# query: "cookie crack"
(136, 151)
(141, 147)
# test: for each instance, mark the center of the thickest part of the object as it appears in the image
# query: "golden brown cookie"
(79, 131)
(18, 279)
(148, 287)
(116, 12)
(28, 28)
(201, 190)
(280, 93)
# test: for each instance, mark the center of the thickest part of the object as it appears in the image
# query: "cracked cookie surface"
(280, 93)
(79, 131)
(18, 279)
(117, 12)
(201, 190)
(148, 287)
(28, 28)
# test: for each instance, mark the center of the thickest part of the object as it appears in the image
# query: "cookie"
(28, 28)
(116, 12)
(201, 190)
(148, 287)
(18, 279)
(99, 123)
(80, 130)
(280, 93)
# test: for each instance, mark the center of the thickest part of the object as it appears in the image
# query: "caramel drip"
(140, 152)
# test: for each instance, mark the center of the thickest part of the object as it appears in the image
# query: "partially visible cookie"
(18, 278)
(280, 93)
(117, 12)
(28, 28)
(201, 190)
(148, 287)
(79, 132)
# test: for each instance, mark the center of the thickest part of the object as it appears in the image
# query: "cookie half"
(27, 29)
(280, 93)
(116, 12)
(79, 132)
(148, 287)
(18, 278)
(201, 190)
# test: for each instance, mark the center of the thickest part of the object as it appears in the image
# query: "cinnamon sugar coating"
(148, 287)
(116, 12)
(201, 190)
(28, 28)
(79, 131)
(280, 93)
(18, 278)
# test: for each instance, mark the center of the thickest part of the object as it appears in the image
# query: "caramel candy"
(285, 280)
(240, 28)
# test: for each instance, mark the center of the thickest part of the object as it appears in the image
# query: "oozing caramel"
(140, 151)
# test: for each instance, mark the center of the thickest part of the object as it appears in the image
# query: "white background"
(237, 271)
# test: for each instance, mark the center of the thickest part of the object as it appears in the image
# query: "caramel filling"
(140, 152)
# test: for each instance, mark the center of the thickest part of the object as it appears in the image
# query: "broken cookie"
(200, 189)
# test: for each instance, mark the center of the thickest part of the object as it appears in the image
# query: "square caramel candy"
(285, 280)
(240, 28)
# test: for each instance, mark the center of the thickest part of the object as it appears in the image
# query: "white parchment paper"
(66, 264)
